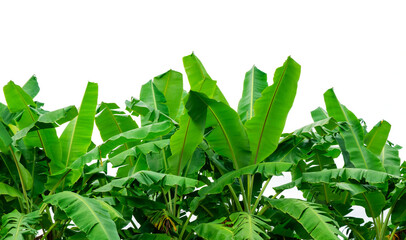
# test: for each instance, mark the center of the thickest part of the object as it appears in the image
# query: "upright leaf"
(31, 87)
(254, 83)
(229, 137)
(375, 140)
(271, 110)
(76, 138)
(390, 159)
(190, 134)
(353, 137)
(151, 96)
(199, 79)
(170, 84)
(88, 214)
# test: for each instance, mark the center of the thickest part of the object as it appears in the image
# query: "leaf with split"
(249, 226)
(270, 111)
(314, 219)
(155, 100)
(16, 226)
(88, 214)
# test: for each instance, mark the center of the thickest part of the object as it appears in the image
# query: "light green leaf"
(151, 96)
(375, 140)
(254, 83)
(76, 138)
(249, 226)
(390, 159)
(17, 99)
(88, 214)
(199, 79)
(271, 110)
(373, 202)
(31, 87)
(353, 137)
(170, 84)
(214, 231)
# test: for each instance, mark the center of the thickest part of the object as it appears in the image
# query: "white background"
(357, 47)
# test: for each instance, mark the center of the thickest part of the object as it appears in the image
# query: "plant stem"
(385, 225)
(260, 195)
(44, 205)
(394, 232)
(244, 196)
(49, 230)
(236, 200)
(185, 225)
(21, 178)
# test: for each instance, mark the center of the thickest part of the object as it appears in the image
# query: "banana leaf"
(270, 111)
(353, 137)
(317, 222)
(254, 83)
(88, 214)
(170, 84)
(375, 140)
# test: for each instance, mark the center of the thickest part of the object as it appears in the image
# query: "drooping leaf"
(319, 114)
(146, 133)
(353, 137)
(16, 225)
(10, 191)
(249, 226)
(88, 214)
(311, 216)
(375, 140)
(5, 139)
(150, 178)
(170, 84)
(399, 211)
(214, 231)
(254, 83)
(229, 137)
(271, 110)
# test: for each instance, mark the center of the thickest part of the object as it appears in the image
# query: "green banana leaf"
(76, 138)
(267, 169)
(16, 225)
(145, 148)
(373, 202)
(189, 135)
(155, 100)
(375, 140)
(254, 83)
(399, 211)
(390, 159)
(270, 111)
(5, 139)
(88, 214)
(353, 137)
(229, 137)
(18, 100)
(214, 230)
(31, 87)
(199, 79)
(10, 191)
(170, 84)
(150, 178)
(346, 174)
(311, 216)
(249, 226)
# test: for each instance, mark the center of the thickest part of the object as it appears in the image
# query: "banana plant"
(370, 178)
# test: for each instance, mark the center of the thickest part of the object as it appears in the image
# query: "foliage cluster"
(194, 168)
